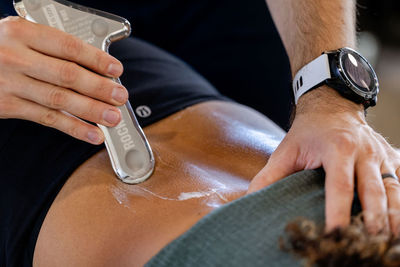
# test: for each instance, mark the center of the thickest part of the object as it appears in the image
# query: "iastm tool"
(127, 146)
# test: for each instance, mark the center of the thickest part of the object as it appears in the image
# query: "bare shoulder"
(205, 156)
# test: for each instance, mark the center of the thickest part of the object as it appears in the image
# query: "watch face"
(358, 71)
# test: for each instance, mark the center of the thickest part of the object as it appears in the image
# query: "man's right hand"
(47, 75)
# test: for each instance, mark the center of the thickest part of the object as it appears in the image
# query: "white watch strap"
(311, 75)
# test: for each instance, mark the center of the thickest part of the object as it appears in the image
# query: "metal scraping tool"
(127, 146)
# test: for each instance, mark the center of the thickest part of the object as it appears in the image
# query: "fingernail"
(111, 116)
(115, 69)
(120, 95)
(94, 137)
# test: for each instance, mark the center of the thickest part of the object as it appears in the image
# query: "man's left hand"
(340, 140)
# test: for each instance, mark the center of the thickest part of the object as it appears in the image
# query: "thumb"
(281, 164)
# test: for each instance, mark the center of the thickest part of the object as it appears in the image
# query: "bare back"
(205, 157)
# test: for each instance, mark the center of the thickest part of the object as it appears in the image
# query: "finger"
(339, 190)
(70, 75)
(280, 165)
(56, 43)
(58, 120)
(59, 98)
(372, 195)
(392, 188)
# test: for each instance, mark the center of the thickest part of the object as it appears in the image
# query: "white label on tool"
(125, 137)
(52, 17)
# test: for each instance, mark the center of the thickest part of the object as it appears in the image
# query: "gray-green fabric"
(245, 232)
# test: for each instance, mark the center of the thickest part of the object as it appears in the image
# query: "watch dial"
(358, 70)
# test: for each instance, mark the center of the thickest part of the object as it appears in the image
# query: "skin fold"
(205, 155)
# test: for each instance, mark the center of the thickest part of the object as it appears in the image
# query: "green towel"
(245, 232)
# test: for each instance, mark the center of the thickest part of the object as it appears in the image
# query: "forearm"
(310, 27)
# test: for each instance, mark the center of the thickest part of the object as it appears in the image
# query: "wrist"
(327, 100)
(344, 70)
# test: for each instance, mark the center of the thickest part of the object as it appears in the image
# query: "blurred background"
(379, 41)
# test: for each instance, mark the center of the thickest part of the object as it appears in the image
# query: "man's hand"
(335, 135)
(329, 130)
(47, 75)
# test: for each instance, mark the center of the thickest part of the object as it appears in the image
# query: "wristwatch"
(344, 70)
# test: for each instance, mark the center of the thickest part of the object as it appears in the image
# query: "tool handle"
(129, 151)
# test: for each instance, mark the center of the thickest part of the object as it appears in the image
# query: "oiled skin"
(214, 148)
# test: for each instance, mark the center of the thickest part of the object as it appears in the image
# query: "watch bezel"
(349, 82)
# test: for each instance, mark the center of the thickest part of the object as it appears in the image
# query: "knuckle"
(71, 47)
(374, 156)
(92, 112)
(9, 58)
(344, 185)
(391, 184)
(56, 98)
(11, 27)
(100, 60)
(49, 118)
(371, 151)
(74, 131)
(104, 90)
(345, 144)
(68, 73)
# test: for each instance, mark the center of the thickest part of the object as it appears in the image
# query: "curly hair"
(350, 246)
